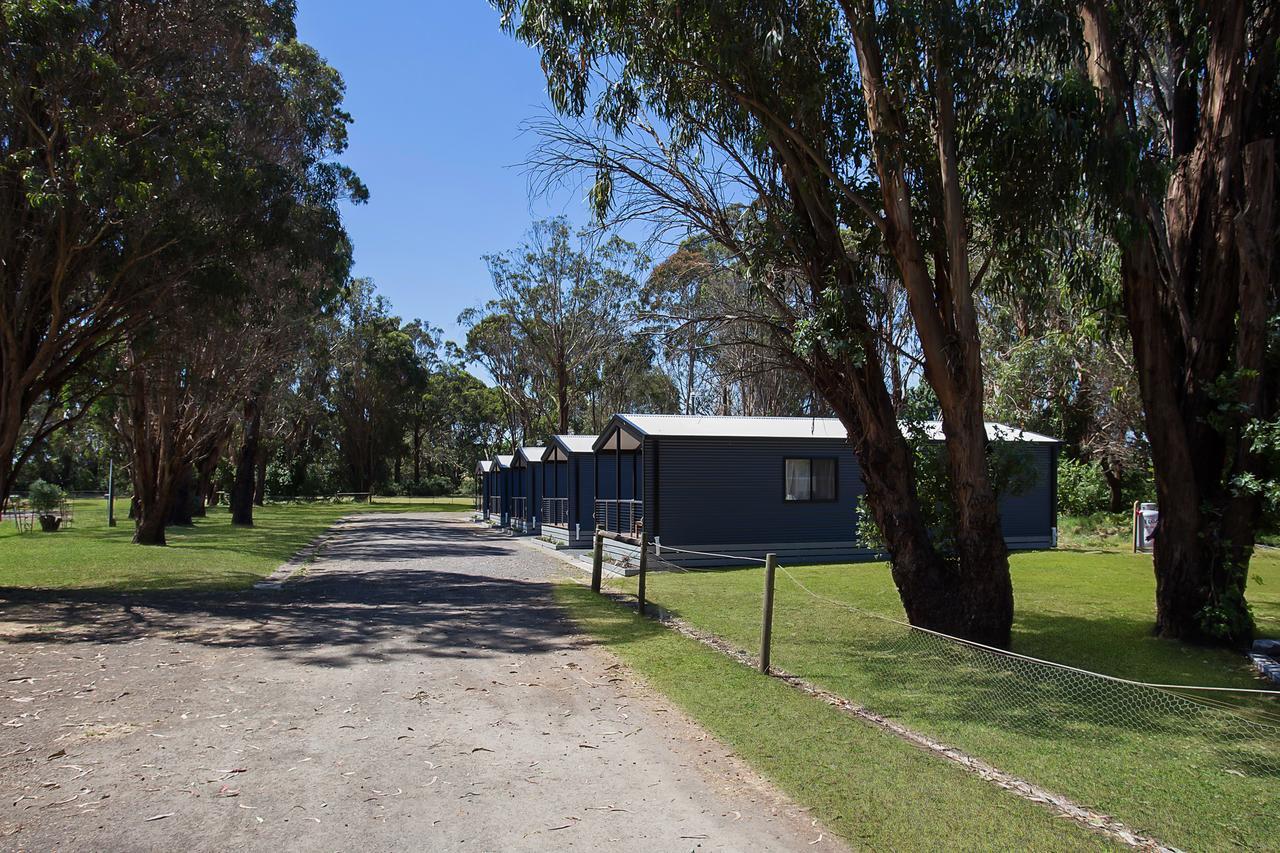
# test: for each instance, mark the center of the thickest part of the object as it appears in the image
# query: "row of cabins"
(725, 485)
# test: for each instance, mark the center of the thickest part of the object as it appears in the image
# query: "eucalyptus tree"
(1059, 359)
(717, 336)
(854, 134)
(677, 311)
(566, 300)
(373, 360)
(496, 342)
(143, 155)
(1186, 180)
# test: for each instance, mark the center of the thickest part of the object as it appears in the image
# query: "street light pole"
(111, 493)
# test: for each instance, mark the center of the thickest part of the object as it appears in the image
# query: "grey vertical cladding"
(651, 483)
(731, 491)
(1031, 513)
(584, 490)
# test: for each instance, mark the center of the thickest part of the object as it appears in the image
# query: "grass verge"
(1191, 779)
(211, 555)
(875, 791)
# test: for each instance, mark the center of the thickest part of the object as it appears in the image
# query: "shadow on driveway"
(386, 586)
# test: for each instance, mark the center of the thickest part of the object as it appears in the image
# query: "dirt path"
(417, 688)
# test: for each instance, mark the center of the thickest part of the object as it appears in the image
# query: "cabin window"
(809, 480)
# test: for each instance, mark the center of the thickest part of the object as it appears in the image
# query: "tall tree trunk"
(1115, 486)
(242, 488)
(6, 479)
(969, 596)
(150, 525)
(182, 504)
(417, 453)
(260, 477)
(1196, 268)
(562, 393)
(206, 466)
(690, 374)
(152, 459)
(941, 303)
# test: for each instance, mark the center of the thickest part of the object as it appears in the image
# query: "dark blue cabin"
(501, 490)
(484, 486)
(526, 472)
(750, 486)
(568, 490)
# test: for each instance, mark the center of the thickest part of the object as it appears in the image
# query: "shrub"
(45, 497)
(1082, 490)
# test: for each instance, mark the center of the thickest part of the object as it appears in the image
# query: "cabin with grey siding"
(750, 486)
(568, 490)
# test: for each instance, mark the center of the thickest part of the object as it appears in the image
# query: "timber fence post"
(644, 569)
(766, 627)
(597, 562)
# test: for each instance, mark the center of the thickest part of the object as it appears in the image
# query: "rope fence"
(1095, 736)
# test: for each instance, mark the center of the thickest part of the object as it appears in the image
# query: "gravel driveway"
(416, 688)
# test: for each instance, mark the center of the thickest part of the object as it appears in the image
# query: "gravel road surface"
(416, 688)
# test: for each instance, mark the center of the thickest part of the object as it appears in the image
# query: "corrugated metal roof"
(560, 447)
(995, 432)
(714, 426)
(576, 443)
(530, 454)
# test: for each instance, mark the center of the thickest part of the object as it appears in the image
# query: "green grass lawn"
(1195, 778)
(211, 555)
(874, 790)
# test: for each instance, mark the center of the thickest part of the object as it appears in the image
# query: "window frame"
(835, 466)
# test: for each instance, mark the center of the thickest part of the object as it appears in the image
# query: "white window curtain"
(798, 487)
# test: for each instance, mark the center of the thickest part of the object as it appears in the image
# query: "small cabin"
(526, 473)
(484, 487)
(568, 490)
(501, 492)
(748, 486)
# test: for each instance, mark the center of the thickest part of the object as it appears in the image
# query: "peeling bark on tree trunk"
(941, 303)
(1199, 290)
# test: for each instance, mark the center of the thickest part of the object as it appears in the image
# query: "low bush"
(45, 497)
(1082, 489)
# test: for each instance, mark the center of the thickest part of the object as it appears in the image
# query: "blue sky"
(438, 94)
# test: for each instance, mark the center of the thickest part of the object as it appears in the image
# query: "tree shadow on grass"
(983, 699)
